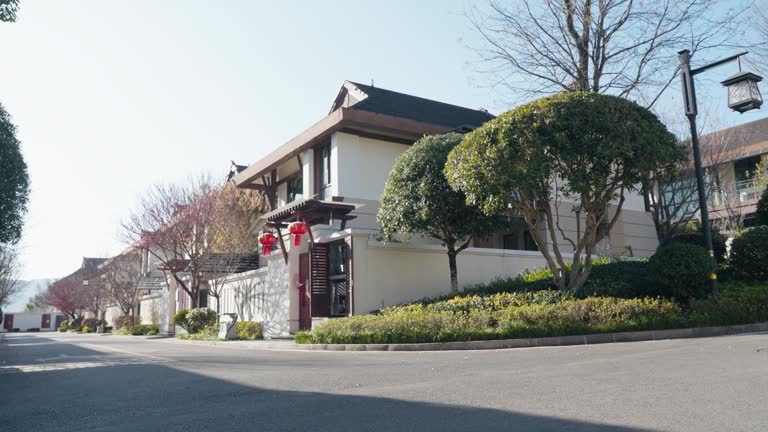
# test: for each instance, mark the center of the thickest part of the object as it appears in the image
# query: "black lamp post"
(743, 95)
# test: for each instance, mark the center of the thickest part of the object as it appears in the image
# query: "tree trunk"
(454, 271)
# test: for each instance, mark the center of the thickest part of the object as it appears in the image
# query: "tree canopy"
(417, 199)
(14, 181)
(578, 153)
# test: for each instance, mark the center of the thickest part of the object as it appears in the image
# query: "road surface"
(67, 382)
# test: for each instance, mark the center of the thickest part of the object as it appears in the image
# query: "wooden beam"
(282, 244)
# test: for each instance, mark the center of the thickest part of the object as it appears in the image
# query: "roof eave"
(342, 118)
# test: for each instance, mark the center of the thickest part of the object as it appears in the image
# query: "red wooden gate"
(8, 322)
(45, 321)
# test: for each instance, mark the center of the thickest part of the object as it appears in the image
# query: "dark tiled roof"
(151, 283)
(226, 263)
(91, 265)
(738, 142)
(415, 108)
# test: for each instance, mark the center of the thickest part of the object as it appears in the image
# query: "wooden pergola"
(310, 211)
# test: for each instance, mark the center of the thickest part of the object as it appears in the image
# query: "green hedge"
(249, 330)
(749, 254)
(737, 304)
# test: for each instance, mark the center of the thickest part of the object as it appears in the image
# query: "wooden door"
(305, 312)
(8, 322)
(320, 303)
(45, 321)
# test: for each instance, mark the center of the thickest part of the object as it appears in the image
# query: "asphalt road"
(64, 382)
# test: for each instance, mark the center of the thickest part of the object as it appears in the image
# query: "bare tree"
(173, 222)
(120, 279)
(623, 47)
(10, 285)
(671, 196)
(235, 229)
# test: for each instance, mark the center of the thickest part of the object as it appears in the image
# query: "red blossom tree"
(68, 296)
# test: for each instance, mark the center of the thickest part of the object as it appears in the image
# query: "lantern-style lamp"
(267, 239)
(298, 229)
(743, 92)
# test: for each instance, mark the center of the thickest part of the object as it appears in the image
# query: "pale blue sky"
(111, 97)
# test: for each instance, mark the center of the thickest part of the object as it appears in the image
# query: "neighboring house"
(732, 160)
(35, 321)
(736, 188)
(332, 175)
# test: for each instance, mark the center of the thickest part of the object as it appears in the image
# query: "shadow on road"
(156, 397)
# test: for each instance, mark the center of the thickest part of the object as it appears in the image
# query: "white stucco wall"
(363, 165)
(27, 320)
(395, 273)
(259, 295)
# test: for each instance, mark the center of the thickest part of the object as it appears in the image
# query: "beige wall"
(395, 273)
(363, 165)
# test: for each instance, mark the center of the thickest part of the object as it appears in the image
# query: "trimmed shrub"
(64, 326)
(681, 270)
(86, 329)
(697, 238)
(761, 212)
(208, 333)
(749, 254)
(620, 278)
(180, 319)
(122, 321)
(418, 323)
(144, 329)
(249, 330)
(200, 318)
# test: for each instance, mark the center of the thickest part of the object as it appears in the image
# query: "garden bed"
(539, 314)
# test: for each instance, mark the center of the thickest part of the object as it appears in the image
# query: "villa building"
(331, 177)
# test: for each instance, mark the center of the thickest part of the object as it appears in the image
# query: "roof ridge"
(743, 125)
(416, 97)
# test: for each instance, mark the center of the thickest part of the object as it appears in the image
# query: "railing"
(738, 194)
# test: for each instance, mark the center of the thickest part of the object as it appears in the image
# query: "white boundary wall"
(395, 273)
(258, 295)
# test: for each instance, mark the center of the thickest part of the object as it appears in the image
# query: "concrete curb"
(590, 339)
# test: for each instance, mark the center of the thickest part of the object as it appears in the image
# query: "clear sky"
(111, 97)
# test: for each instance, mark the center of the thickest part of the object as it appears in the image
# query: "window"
(324, 171)
(520, 239)
(295, 189)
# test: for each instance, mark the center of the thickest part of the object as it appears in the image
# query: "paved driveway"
(64, 382)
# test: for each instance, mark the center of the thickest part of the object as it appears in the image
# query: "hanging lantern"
(298, 229)
(267, 239)
(743, 92)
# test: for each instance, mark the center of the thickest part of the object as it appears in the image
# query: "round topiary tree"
(417, 199)
(571, 155)
(749, 254)
(761, 213)
(681, 269)
(697, 238)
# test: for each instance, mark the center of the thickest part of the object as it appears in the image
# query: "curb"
(589, 339)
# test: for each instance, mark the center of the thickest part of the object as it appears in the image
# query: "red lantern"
(267, 239)
(298, 229)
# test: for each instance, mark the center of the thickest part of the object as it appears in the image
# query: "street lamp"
(743, 95)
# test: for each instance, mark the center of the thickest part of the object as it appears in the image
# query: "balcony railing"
(741, 193)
